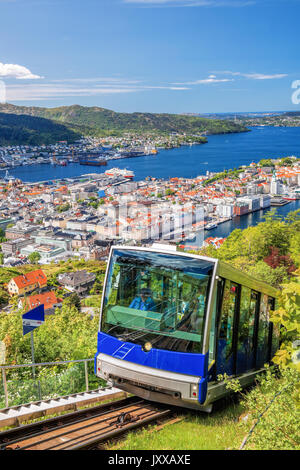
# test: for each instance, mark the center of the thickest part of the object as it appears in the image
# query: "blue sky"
(173, 56)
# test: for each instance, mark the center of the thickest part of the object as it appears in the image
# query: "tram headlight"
(147, 346)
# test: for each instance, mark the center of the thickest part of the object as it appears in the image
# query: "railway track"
(85, 429)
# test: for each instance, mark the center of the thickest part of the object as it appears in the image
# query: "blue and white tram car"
(171, 322)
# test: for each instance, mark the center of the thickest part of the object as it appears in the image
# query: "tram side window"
(114, 293)
(243, 332)
(212, 339)
(275, 330)
(245, 346)
(263, 333)
(225, 360)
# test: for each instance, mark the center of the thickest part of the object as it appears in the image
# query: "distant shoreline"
(224, 151)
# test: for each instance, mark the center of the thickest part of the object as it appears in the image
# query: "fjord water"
(224, 230)
(225, 151)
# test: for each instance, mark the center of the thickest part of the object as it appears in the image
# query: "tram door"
(226, 344)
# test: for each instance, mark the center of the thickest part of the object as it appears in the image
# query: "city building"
(79, 281)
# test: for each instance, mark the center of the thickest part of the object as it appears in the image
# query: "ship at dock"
(120, 172)
(92, 161)
(291, 196)
(210, 226)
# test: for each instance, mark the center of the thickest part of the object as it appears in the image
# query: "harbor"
(224, 228)
(140, 200)
(221, 152)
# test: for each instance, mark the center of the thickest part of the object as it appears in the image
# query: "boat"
(293, 196)
(133, 153)
(8, 177)
(210, 226)
(92, 161)
(191, 237)
(119, 172)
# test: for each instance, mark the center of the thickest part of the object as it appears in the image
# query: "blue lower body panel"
(192, 364)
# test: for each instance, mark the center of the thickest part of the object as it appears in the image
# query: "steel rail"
(15, 435)
(76, 429)
(99, 434)
(117, 432)
(96, 422)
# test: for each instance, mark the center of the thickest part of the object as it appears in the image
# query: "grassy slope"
(198, 431)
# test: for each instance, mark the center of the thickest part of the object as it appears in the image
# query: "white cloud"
(254, 76)
(16, 71)
(61, 89)
(212, 78)
(261, 76)
(207, 81)
(51, 91)
(103, 80)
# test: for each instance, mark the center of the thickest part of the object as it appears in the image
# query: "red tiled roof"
(48, 299)
(28, 279)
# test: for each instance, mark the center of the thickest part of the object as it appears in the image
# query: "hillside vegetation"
(16, 129)
(100, 122)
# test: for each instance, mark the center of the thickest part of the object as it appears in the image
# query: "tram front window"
(157, 298)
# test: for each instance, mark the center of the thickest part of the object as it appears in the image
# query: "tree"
(169, 192)
(266, 162)
(269, 251)
(34, 257)
(63, 207)
(273, 276)
(2, 235)
(274, 260)
(286, 162)
(66, 335)
(74, 300)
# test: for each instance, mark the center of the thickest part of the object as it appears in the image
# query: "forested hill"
(29, 130)
(100, 121)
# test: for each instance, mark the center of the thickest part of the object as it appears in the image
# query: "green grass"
(219, 430)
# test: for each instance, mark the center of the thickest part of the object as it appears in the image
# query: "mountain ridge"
(100, 122)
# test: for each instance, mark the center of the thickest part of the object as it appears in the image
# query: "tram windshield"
(156, 298)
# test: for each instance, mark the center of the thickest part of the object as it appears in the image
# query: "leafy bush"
(287, 316)
(271, 418)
